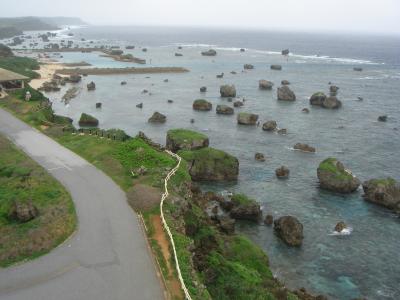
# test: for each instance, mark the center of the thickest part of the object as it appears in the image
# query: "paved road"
(107, 258)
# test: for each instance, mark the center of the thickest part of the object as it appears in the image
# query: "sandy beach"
(46, 72)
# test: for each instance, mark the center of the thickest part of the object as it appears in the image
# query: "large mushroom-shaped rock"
(285, 93)
(245, 208)
(269, 126)
(202, 105)
(91, 86)
(276, 67)
(157, 118)
(265, 84)
(244, 118)
(290, 230)
(384, 192)
(333, 176)
(209, 164)
(282, 172)
(304, 147)
(227, 90)
(224, 110)
(184, 139)
(248, 67)
(23, 212)
(210, 52)
(88, 120)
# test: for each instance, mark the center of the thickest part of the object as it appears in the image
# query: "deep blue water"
(366, 262)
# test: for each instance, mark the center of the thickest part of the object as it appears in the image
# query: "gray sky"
(376, 16)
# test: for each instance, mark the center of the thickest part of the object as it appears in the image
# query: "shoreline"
(111, 71)
(46, 72)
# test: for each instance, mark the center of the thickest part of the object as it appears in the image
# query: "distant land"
(10, 27)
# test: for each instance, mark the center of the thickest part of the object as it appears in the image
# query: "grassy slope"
(22, 65)
(22, 179)
(185, 135)
(329, 165)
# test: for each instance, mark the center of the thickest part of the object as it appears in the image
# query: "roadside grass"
(22, 65)
(23, 180)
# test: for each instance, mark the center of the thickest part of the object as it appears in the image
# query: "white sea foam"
(346, 231)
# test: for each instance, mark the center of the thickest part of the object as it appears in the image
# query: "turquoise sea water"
(366, 262)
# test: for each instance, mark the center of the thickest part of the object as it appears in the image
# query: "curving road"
(107, 258)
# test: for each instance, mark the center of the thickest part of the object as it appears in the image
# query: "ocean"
(364, 263)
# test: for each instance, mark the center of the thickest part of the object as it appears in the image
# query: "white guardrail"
(164, 196)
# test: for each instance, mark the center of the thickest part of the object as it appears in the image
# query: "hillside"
(10, 27)
(62, 21)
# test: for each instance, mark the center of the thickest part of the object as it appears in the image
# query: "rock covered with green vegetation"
(209, 164)
(88, 120)
(202, 105)
(290, 230)
(333, 176)
(245, 208)
(184, 139)
(384, 192)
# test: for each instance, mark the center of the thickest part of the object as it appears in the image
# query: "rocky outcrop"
(238, 104)
(276, 67)
(333, 89)
(285, 82)
(305, 110)
(317, 98)
(340, 226)
(247, 118)
(285, 52)
(384, 192)
(382, 118)
(91, 86)
(202, 105)
(203, 89)
(320, 99)
(98, 105)
(88, 120)
(245, 208)
(224, 110)
(285, 93)
(210, 52)
(23, 211)
(178, 54)
(139, 105)
(333, 176)
(290, 230)
(227, 90)
(268, 220)
(157, 118)
(270, 126)
(282, 172)
(265, 84)
(75, 78)
(248, 67)
(209, 164)
(358, 69)
(184, 139)
(282, 131)
(259, 156)
(304, 147)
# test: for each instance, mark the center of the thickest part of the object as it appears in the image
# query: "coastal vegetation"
(23, 65)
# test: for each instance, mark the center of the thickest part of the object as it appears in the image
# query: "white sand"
(46, 73)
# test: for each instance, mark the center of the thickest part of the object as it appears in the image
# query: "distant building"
(11, 81)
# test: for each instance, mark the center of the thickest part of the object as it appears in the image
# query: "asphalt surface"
(107, 258)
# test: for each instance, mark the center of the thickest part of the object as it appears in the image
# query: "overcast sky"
(376, 16)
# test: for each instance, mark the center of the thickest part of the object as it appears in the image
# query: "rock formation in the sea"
(268, 220)
(75, 78)
(244, 118)
(220, 75)
(140, 105)
(305, 110)
(290, 230)
(123, 82)
(210, 52)
(238, 104)
(303, 147)
(130, 47)
(265, 84)
(382, 118)
(209, 164)
(285, 82)
(282, 172)
(340, 226)
(203, 89)
(282, 131)
(269, 126)
(285, 52)
(88, 120)
(227, 90)
(202, 105)
(245, 208)
(276, 67)
(320, 99)
(242, 50)
(357, 69)
(333, 89)
(23, 211)
(178, 54)
(91, 86)
(259, 156)
(285, 93)
(98, 105)
(248, 67)
(144, 49)
(384, 192)
(224, 110)
(70, 94)
(333, 176)
(184, 139)
(157, 118)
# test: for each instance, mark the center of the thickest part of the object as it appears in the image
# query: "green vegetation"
(329, 165)
(10, 27)
(88, 120)
(181, 136)
(22, 180)
(241, 199)
(384, 181)
(35, 94)
(21, 65)
(5, 51)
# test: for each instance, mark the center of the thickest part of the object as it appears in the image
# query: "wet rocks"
(382, 118)
(317, 98)
(178, 54)
(23, 211)
(333, 89)
(269, 126)
(304, 147)
(268, 220)
(265, 84)
(384, 192)
(285, 82)
(224, 110)
(242, 50)
(320, 99)
(210, 52)
(91, 86)
(227, 90)
(248, 67)
(184, 139)
(282, 131)
(282, 172)
(157, 118)
(285, 93)
(70, 94)
(305, 110)
(334, 177)
(140, 105)
(276, 67)
(75, 78)
(203, 89)
(247, 118)
(226, 224)
(285, 52)
(340, 226)
(88, 120)
(290, 230)
(202, 105)
(123, 82)
(98, 105)
(259, 156)
(238, 104)
(358, 69)
(245, 208)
